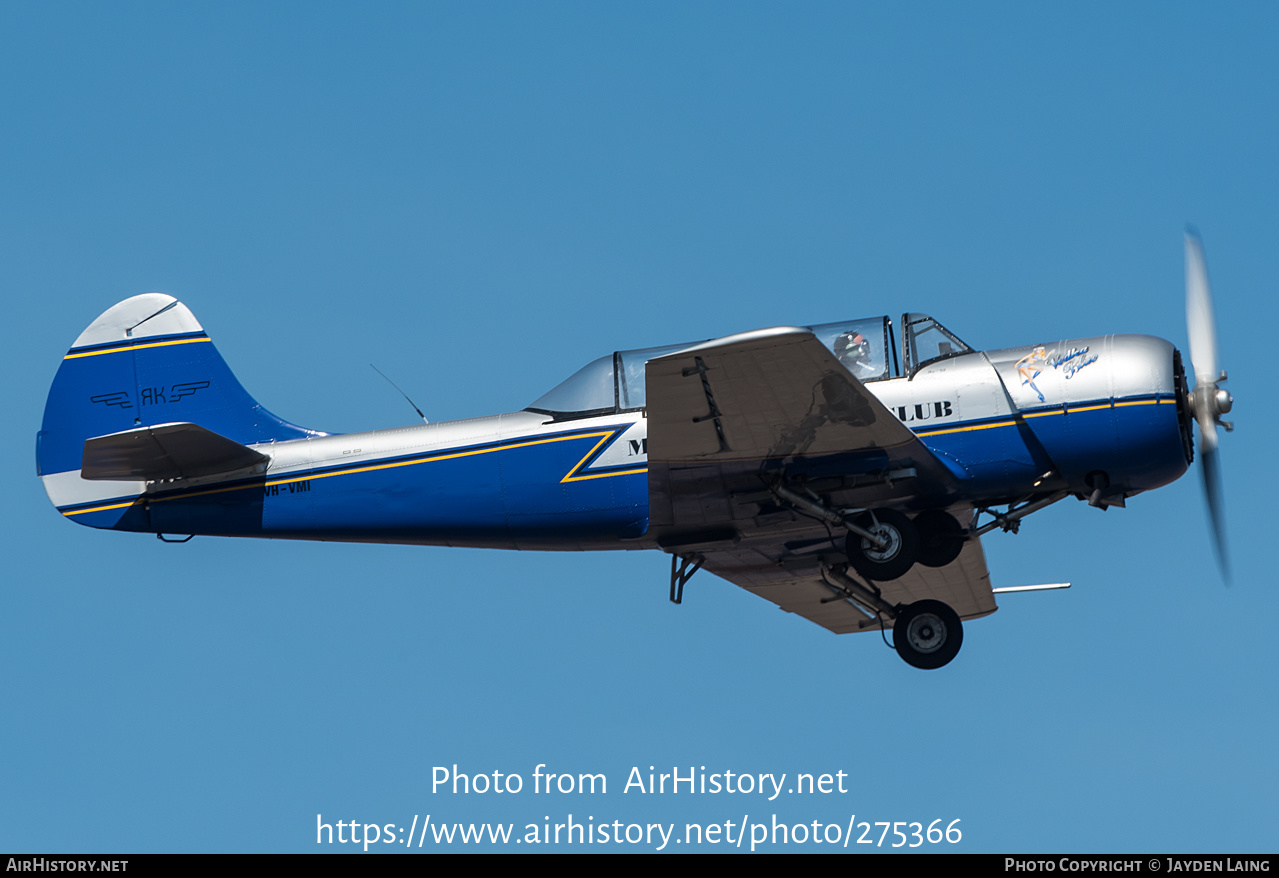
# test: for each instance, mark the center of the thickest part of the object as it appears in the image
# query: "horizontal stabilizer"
(164, 451)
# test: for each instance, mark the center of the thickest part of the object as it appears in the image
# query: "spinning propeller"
(1208, 401)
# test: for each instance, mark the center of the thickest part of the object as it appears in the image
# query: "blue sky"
(478, 199)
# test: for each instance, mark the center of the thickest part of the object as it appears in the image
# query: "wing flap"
(164, 451)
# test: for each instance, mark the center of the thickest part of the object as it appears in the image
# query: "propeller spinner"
(1209, 400)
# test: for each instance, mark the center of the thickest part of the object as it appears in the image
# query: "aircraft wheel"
(927, 634)
(895, 558)
(941, 537)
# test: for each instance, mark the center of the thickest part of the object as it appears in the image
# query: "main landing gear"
(883, 544)
(933, 538)
(927, 634)
(895, 552)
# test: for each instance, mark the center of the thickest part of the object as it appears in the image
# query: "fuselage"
(1009, 424)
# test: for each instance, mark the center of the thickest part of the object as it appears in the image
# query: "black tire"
(927, 634)
(941, 537)
(892, 561)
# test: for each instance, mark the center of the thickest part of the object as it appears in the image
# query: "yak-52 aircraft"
(800, 463)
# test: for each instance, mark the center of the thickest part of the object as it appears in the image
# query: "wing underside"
(800, 583)
(730, 419)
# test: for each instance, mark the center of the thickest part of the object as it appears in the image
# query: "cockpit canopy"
(615, 383)
(927, 341)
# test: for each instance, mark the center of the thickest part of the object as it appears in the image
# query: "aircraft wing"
(727, 417)
(797, 585)
(772, 393)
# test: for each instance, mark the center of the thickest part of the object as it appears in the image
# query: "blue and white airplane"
(803, 464)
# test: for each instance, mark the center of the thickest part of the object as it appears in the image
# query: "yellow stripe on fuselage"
(569, 477)
(968, 429)
(1064, 411)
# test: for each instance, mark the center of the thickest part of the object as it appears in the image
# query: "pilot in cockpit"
(853, 351)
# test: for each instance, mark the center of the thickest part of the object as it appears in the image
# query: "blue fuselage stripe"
(520, 490)
(538, 490)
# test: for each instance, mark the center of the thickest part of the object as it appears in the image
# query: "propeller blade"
(1201, 326)
(1208, 400)
(1210, 461)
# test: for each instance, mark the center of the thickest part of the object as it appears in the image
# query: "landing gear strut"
(882, 544)
(898, 550)
(926, 634)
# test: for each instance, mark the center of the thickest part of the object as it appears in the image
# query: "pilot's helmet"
(852, 346)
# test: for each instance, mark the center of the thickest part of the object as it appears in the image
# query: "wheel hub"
(892, 543)
(927, 633)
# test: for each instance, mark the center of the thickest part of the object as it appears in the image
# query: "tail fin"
(144, 362)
